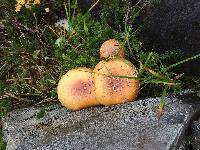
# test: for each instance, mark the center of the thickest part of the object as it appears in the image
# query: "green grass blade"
(181, 62)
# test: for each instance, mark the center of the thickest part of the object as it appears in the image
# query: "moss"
(2, 143)
(4, 108)
(40, 114)
(5, 105)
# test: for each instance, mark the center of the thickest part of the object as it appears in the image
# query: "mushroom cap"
(111, 48)
(115, 90)
(76, 89)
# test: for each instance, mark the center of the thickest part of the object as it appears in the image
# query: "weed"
(40, 114)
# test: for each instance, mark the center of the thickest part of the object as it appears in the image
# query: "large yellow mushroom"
(115, 82)
(76, 89)
(111, 48)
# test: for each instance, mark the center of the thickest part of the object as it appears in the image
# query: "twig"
(138, 2)
(15, 79)
(7, 95)
(93, 5)
(36, 24)
(3, 97)
(46, 100)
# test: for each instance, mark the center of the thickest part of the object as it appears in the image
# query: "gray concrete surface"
(127, 126)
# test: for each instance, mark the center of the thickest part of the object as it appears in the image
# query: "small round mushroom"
(76, 89)
(111, 82)
(111, 48)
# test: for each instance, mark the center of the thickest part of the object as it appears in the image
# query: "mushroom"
(111, 48)
(76, 89)
(114, 83)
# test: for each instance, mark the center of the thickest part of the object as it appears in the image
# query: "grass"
(32, 64)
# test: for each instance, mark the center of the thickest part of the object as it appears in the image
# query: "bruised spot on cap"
(76, 89)
(82, 88)
(114, 90)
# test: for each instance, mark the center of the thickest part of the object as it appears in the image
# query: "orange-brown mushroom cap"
(111, 48)
(76, 89)
(112, 87)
